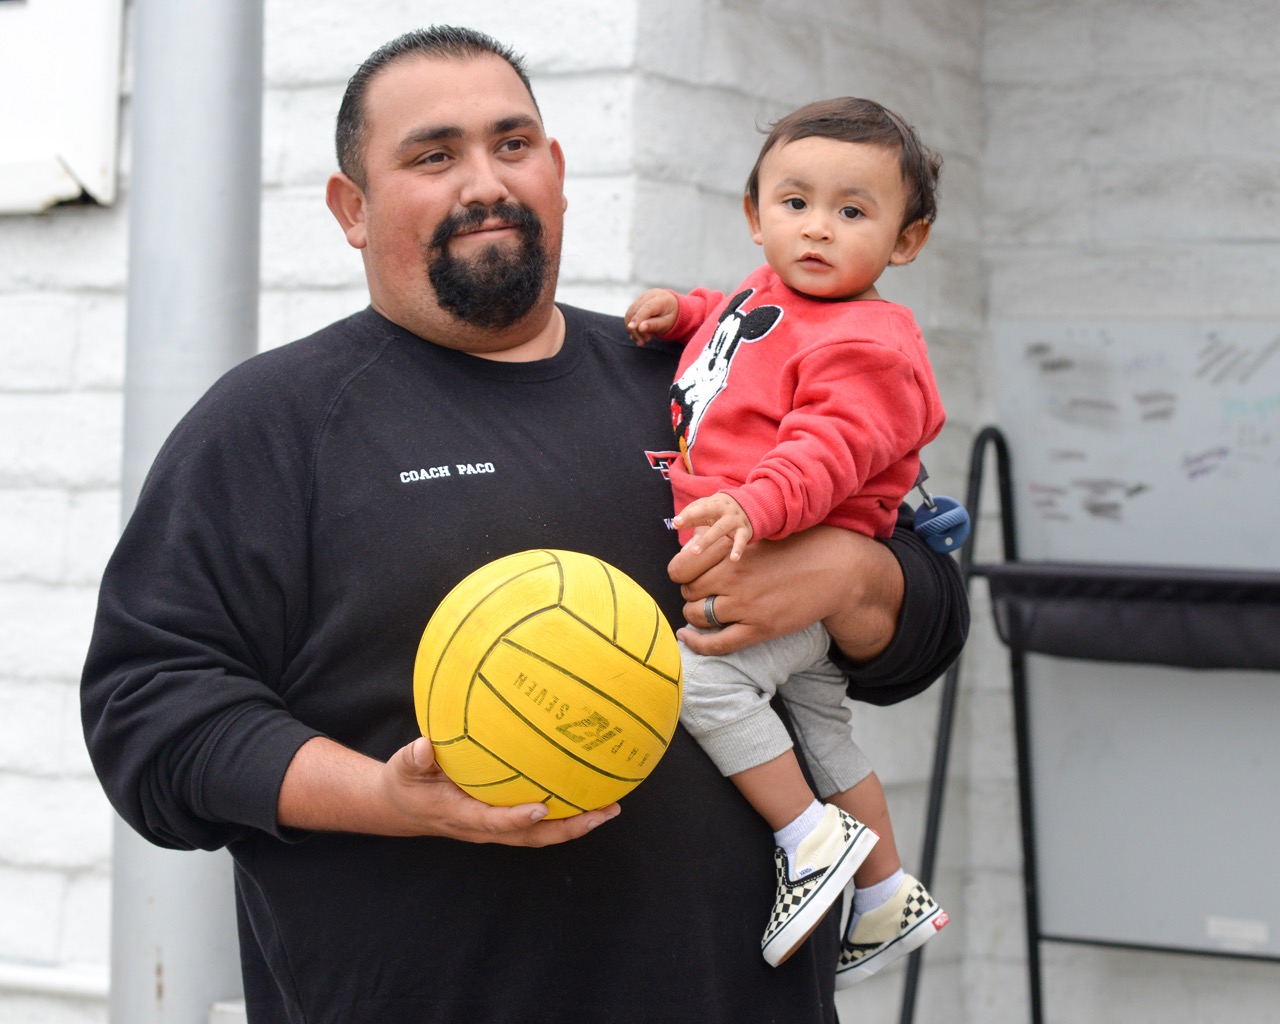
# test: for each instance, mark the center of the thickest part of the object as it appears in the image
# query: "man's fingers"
(442, 808)
(689, 565)
(518, 826)
(734, 637)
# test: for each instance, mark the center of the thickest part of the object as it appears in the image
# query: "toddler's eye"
(851, 213)
(794, 203)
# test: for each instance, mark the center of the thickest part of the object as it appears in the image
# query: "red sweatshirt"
(821, 419)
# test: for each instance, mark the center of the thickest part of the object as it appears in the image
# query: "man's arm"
(897, 611)
(330, 788)
(851, 582)
(183, 701)
(932, 624)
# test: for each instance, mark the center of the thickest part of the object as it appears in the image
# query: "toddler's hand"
(652, 315)
(722, 517)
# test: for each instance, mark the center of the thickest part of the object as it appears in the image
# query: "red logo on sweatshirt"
(661, 461)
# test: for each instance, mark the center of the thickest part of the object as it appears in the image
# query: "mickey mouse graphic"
(707, 376)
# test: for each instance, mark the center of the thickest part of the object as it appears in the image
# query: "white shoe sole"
(920, 933)
(792, 935)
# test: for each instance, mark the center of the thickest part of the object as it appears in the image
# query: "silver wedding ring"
(709, 610)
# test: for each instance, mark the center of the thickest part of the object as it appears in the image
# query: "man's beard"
(497, 286)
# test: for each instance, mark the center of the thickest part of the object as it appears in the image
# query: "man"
(249, 681)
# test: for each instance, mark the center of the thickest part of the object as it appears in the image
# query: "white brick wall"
(1128, 173)
(61, 346)
(1119, 153)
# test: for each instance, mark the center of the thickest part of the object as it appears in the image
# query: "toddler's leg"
(817, 854)
(776, 789)
(726, 705)
(892, 913)
(727, 710)
(866, 802)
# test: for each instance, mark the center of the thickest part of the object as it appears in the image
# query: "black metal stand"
(1139, 614)
(990, 438)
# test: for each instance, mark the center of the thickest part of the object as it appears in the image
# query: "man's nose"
(483, 184)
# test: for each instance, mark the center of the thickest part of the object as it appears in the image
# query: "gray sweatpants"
(726, 708)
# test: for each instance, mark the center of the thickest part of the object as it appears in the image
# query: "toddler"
(805, 398)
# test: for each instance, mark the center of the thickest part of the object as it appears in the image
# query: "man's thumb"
(420, 757)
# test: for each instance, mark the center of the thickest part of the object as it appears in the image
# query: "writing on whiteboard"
(1143, 441)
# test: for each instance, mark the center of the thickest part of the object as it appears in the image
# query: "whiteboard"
(1149, 442)
(1144, 441)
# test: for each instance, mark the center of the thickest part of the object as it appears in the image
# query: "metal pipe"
(194, 199)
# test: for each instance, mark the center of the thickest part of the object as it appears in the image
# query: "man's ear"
(557, 157)
(753, 219)
(346, 203)
(910, 242)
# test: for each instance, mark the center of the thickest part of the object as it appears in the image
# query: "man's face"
(461, 215)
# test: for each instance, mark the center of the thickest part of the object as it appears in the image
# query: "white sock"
(873, 896)
(792, 834)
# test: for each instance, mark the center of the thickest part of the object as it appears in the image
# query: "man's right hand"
(850, 582)
(331, 788)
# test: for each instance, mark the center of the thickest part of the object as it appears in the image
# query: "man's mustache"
(520, 217)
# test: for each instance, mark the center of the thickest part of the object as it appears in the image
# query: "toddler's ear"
(910, 242)
(753, 219)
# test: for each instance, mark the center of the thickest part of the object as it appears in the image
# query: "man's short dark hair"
(439, 42)
(849, 119)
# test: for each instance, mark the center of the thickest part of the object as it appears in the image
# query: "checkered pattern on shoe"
(791, 895)
(834, 852)
(905, 922)
(918, 906)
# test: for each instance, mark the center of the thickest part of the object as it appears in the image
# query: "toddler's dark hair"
(849, 119)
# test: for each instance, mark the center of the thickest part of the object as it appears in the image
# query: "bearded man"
(249, 682)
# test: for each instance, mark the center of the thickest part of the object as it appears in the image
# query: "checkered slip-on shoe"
(907, 921)
(825, 862)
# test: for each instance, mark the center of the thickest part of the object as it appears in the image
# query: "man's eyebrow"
(514, 122)
(428, 134)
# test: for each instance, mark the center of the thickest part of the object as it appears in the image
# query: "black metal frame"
(988, 438)
(1053, 608)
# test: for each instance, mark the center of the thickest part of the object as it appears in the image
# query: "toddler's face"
(830, 216)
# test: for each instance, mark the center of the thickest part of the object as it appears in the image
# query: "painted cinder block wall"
(1102, 159)
(1129, 172)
